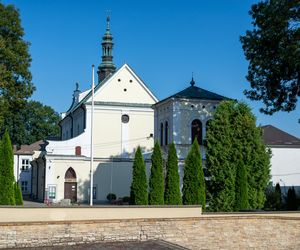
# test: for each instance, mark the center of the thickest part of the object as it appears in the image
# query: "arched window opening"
(161, 134)
(197, 131)
(70, 174)
(166, 132)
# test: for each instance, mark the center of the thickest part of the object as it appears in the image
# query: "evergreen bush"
(193, 191)
(172, 188)
(291, 199)
(111, 197)
(241, 192)
(232, 140)
(18, 195)
(156, 181)
(7, 180)
(138, 189)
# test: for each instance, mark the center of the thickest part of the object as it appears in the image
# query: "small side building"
(24, 171)
(285, 160)
(183, 117)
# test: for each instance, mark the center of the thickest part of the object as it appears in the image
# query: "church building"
(122, 121)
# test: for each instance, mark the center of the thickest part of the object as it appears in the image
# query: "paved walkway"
(132, 245)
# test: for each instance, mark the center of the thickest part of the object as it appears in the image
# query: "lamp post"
(92, 148)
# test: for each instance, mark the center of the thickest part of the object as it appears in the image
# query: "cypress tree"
(241, 193)
(193, 191)
(7, 194)
(156, 181)
(18, 194)
(138, 189)
(278, 201)
(172, 188)
(291, 199)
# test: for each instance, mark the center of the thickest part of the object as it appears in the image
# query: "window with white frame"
(25, 165)
(24, 186)
(52, 191)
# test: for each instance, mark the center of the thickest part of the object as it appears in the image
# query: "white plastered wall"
(109, 177)
(285, 167)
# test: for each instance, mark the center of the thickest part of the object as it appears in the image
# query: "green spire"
(107, 66)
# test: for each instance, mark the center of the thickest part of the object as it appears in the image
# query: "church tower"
(107, 66)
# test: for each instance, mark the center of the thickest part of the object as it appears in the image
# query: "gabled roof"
(30, 149)
(275, 137)
(194, 92)
(105, 82)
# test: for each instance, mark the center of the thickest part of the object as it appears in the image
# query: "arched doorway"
(70, 185)
(197, 131)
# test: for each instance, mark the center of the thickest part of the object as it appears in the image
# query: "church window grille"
(197, 131)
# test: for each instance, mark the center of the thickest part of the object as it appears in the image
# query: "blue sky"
(163, 41)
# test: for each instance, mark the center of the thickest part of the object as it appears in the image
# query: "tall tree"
(232, 140)
(193, 190)
(273, 51)
(7, 180)
(156, 181)
(40, 121)
(15, 77)
(241, 188)
(138, 189)
(172, 188)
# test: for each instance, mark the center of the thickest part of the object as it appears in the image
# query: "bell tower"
(107, 66)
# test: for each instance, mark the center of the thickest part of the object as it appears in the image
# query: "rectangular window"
(52, 191)
(24, 186)
(25, 165)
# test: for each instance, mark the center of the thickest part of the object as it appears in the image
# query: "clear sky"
(163, 41)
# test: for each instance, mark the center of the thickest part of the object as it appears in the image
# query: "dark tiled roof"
(275, 137)
(29, 149)
(194, 92)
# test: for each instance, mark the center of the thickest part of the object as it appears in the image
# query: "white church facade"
(122, 121)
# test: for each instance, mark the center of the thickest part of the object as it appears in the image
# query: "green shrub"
(111, 197)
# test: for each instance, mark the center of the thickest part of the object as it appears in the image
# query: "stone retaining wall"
(241, 231)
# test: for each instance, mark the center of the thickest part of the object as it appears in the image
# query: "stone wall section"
(207, 232)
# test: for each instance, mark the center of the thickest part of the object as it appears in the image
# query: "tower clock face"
(125, 118)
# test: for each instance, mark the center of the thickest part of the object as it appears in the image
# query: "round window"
(125, 118)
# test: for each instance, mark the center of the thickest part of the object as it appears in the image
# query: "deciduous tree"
(15, 76)
(273, 51)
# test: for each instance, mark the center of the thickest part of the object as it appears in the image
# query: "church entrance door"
(70, 191)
